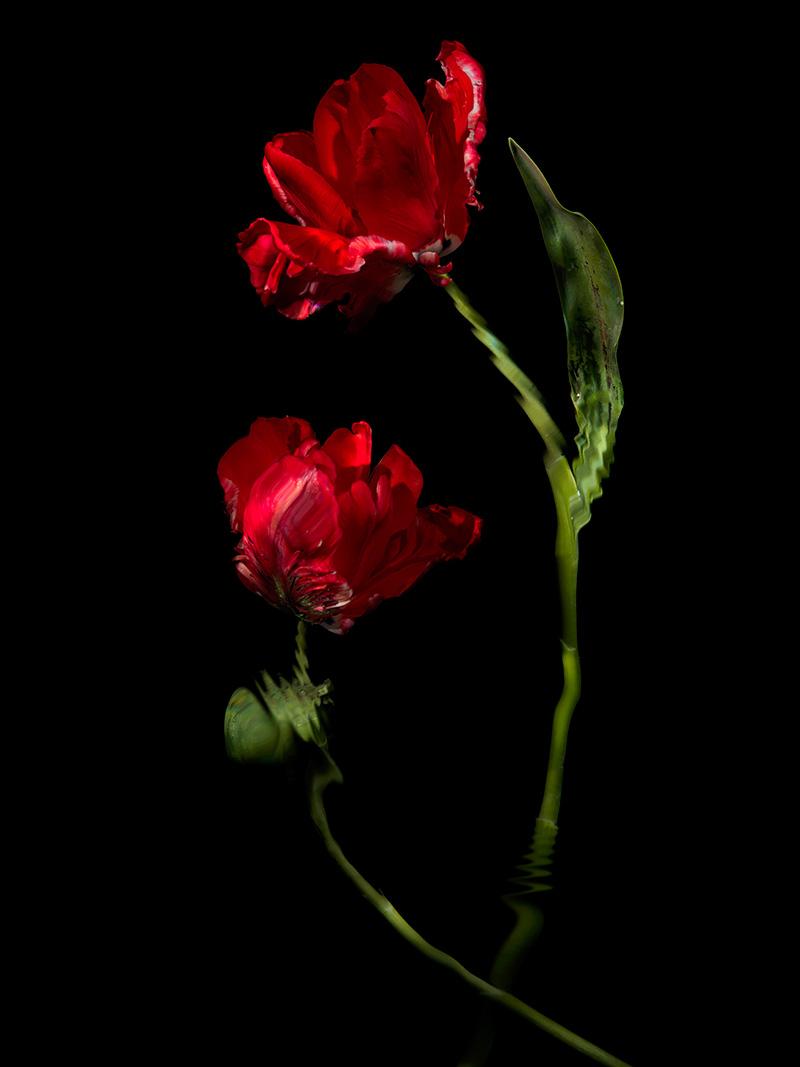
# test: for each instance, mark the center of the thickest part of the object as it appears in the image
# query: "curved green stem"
(530, 397)
(568, 504)
(320, 779)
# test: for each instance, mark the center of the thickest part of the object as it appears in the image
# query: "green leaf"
(591, 300)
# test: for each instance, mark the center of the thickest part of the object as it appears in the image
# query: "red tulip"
(377, 188)
(322, 537)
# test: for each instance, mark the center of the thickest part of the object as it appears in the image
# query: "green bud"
(264, 730)
(252, 733)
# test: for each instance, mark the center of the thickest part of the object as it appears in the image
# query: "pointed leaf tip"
(537, 185)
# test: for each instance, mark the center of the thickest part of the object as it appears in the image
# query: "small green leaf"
(591, 300)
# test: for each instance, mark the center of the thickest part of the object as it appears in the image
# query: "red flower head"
(376, 188)
(320, 535)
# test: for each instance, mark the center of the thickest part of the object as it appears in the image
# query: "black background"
(443, 696)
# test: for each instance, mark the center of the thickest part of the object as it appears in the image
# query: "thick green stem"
(329, 772)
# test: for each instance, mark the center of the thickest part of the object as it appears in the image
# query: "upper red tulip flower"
(376, 189)
(320, 535)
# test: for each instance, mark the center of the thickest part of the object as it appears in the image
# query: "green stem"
(530, 397)
(528, 917)
(321, 778)
(567, 502)
(562, 484)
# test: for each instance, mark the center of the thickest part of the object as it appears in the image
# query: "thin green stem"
(320, 779)
(530, 397)
(562, 484)
(528, 917)
(567, 501)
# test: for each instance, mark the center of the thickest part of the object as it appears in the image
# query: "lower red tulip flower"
(377, 189)
(321, 536)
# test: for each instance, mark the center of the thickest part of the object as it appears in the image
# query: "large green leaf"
(591, 300)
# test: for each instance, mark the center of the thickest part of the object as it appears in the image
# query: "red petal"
(405, 477)
(439, 533)
(325, 251)
(292, 512)
(386, 585)
(396, 184)
(338, 124)
(259, 251)
(291, 529)
(351, 451)
(457, 125)
(385, 273)
(465, 80)
(343, 115)
(373, 147)
(247, 459)
(357, 520)
(289, 264)
(396, 484)
(299, 187)
(274, 252)
(377, 284)
(300, 145)
(450, 531)
(310, 451)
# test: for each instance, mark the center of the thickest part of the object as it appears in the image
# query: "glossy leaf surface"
(592, 304)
